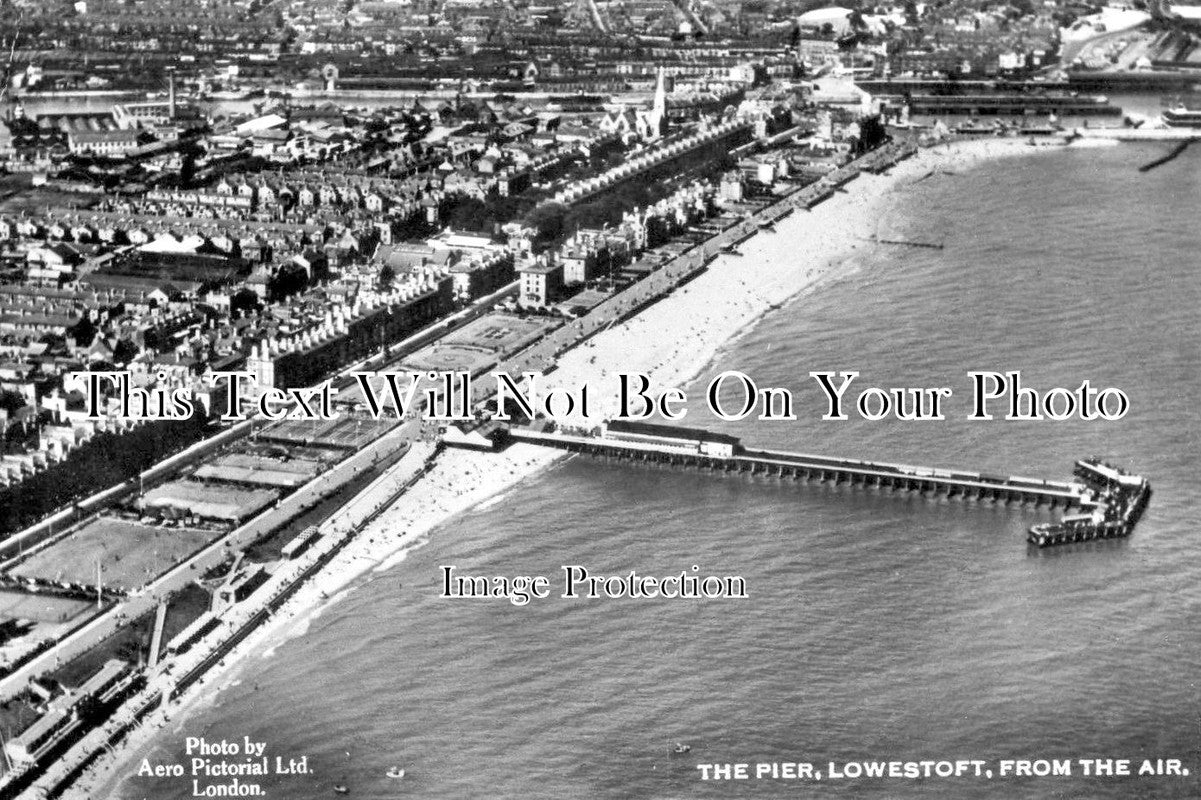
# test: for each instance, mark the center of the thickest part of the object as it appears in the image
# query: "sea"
(877, 627)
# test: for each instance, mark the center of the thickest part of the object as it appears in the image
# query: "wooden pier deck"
(735, 459)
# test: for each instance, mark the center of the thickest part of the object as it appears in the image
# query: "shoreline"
(719, 306)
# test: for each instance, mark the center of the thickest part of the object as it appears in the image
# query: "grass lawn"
(131, 554)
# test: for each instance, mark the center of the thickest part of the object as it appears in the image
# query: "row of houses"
(591, 253)
(731, 132)
(477, 265)
(251, 240)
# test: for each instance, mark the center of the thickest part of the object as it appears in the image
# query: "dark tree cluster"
(105, 461)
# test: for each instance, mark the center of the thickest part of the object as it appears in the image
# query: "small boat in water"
(395, 772)
(681, 748)
(340, 789)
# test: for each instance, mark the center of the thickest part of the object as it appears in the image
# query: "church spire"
(659, 109)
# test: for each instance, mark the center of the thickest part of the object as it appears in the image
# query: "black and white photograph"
(600, 399)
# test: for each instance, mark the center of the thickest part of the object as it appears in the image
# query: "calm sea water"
(878, 627)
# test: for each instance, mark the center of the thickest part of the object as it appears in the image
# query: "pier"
(698, 449)
(1108, 502)
(1139, 134)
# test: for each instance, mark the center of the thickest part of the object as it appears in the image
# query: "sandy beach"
(672, 342)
